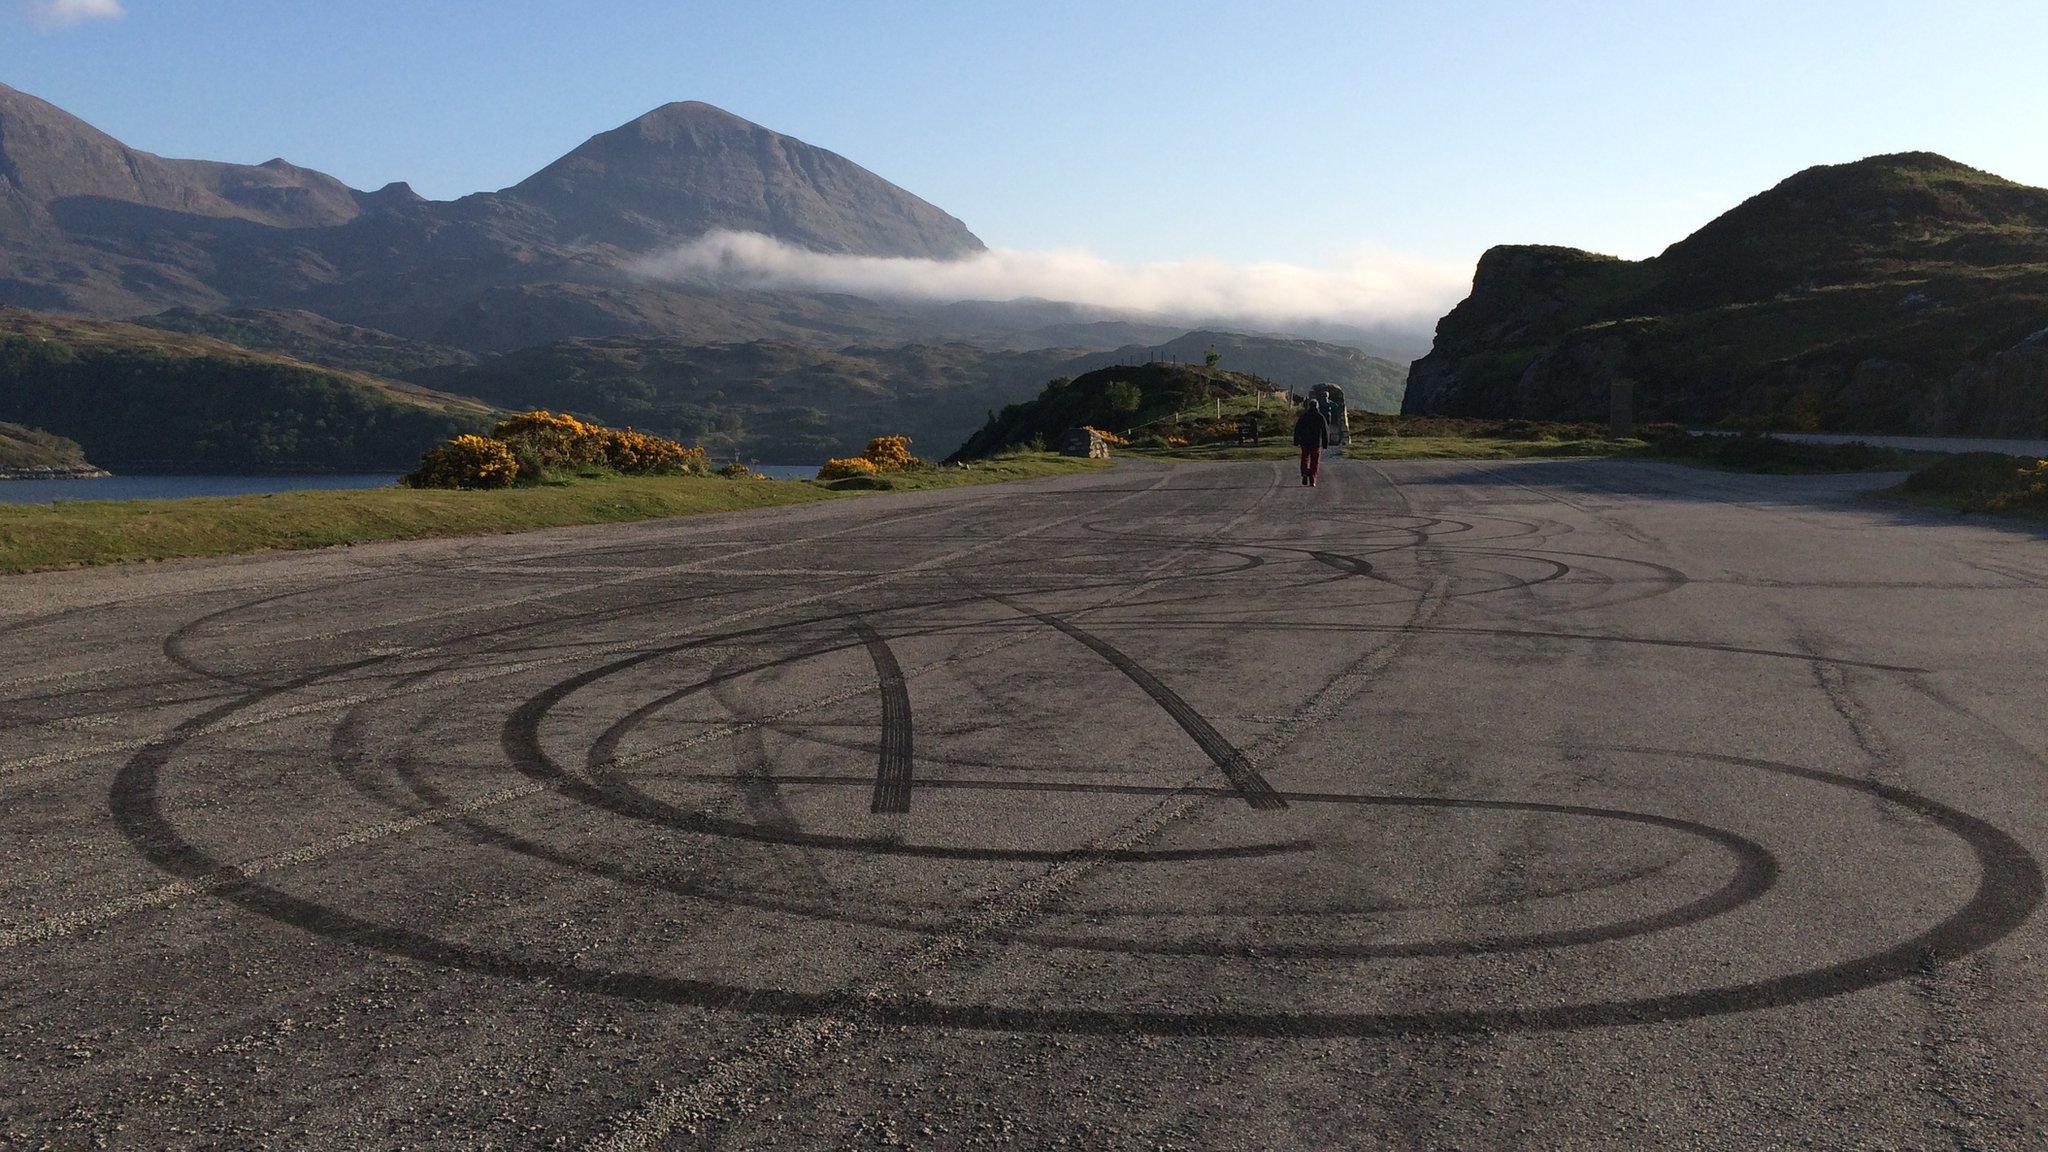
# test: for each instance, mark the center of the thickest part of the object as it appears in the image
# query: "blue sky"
(1288, 130)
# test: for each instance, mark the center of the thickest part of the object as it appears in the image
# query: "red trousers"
(1311, 462)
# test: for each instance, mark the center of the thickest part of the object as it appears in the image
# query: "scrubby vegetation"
(884, 454)
(1751, 452)
(141, 397)
(533, 446)
(1984, 482)
(1147, 404)
(22, 447)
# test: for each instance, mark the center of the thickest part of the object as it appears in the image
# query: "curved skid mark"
(892, 772)
(1245, 777)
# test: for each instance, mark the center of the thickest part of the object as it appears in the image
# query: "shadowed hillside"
(142, 397)
(1901, 293)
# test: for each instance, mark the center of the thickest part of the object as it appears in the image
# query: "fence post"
(1621, 409)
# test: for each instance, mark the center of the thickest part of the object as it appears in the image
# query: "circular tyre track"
(2008, 889)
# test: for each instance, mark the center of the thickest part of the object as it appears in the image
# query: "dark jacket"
(1310, 431)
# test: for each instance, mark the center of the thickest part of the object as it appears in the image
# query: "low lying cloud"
(52, 13)
(1366, 288)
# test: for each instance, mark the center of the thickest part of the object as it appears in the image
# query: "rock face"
(88, 224)
(1895, 294)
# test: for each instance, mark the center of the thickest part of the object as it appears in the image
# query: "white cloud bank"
(60, 12)
(1366, 288)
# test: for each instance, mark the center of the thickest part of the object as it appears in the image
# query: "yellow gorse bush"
(847, 467)
(465, 462)
(889, 453)
(884, 454)
(547, 441)
(2030, 490)
(1109, 437)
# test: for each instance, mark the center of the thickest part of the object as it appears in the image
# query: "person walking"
(1311, 435)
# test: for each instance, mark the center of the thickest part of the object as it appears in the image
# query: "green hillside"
(312, 338)
(1901, 293)
(141, 397)
(1121, 398)
(22, 447)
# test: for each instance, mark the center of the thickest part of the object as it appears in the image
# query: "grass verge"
(1980, 482)
(75, 534)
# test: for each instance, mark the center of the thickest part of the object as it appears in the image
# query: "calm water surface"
(177, 487)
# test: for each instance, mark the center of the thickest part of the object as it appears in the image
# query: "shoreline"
(56, 472)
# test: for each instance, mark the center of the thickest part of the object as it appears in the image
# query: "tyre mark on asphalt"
(892, 772)
(1250, 783)
(638, 575)
(203, 875)
(67, 756)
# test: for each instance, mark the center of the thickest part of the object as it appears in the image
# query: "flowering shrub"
(889, 453)
(531, 444)
(639, 454)
(736, 471)
(465, 462)
(556, 440)
(2029, 491)
(1109, 437)
(847, 468)
(1986, 482)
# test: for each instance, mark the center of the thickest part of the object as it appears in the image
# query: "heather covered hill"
(1903, 293)
(143, 397)
(23, 448)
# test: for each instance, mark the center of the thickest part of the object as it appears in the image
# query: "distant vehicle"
(1330, 399)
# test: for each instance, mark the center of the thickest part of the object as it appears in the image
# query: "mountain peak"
(688, 168)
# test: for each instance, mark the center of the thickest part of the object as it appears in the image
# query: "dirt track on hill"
(1447, 805)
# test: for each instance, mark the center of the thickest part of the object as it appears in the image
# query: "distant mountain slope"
(51, 161)
(142, 397)
(313, 338)
(789, 402)
(1903, 293)
(689, 168)
(88, 224)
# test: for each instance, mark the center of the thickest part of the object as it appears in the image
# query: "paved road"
(1449, 805)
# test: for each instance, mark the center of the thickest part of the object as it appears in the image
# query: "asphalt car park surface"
(1445, 805)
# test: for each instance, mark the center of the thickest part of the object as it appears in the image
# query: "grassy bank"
(78, 533)
(1980, 482)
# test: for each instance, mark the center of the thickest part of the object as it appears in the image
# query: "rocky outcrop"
(1903, 294)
